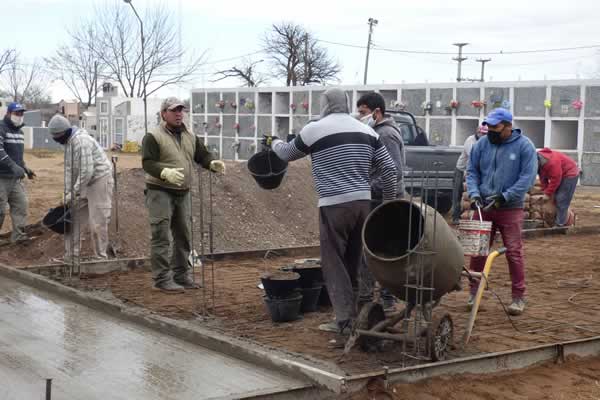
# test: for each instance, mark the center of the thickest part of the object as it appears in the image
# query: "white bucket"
(474, 236)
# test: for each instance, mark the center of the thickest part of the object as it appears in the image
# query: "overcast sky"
(227, 29)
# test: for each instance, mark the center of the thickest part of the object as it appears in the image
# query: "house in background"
(120, 119)
(88, 120)
(71, 110)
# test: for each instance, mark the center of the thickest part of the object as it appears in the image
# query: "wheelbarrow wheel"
(370, 315)
(439, 336)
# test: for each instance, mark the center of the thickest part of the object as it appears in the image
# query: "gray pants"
(169, 216)
(340, 228)
(563, 196)
(93, 211)
(12, 194)
(457, 192)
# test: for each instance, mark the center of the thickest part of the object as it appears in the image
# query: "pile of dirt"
(244, 216)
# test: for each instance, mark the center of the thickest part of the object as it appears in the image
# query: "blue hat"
(498, 115)
(14, 106)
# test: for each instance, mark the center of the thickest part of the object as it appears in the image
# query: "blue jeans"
(563, 196)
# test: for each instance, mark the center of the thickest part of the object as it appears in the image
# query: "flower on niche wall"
(548, 103)
(233, 104)
(454, 104)
(305, 105)
(293, 106)
(478, 103)
(220, 104)
(577, 104)
(249, 104)
(236, 126)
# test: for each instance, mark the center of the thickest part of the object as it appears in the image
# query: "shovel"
(115, 244)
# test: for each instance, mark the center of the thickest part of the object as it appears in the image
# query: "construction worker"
(558, 176)
(12, 171)
(88, 187)
(501, 169)
(168, 156)
(371, 111)
(343, 152)
(459, 172)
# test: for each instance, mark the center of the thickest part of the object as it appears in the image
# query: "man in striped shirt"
(343, 152)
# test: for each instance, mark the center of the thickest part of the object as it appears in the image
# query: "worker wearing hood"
(343, 152)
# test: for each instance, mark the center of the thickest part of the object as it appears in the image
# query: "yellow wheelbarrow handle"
(482, 284)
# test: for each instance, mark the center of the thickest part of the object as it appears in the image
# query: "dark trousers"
(563, 196)
(457, 192)
(340, 228)
(169, 216)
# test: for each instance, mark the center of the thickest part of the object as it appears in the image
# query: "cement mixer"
(413, 253)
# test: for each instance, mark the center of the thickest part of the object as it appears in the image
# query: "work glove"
(545, 197)
(476, 203)
(173, 175)
(267, 140)
(494, 201)
(30, 173)
(217, 166)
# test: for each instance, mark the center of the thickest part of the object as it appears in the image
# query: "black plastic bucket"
(58, 220)
(267, 169)
(310, 299)
(284, 310)
(280, 284)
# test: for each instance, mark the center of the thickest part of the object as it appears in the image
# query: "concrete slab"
(94, 356)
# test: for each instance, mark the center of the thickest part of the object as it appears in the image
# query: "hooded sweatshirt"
(508, 168)
(391, 137)
(557, 167)
(12, 146)
(343, 152)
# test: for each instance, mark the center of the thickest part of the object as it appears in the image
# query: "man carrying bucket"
(343, 153)
(501, 169)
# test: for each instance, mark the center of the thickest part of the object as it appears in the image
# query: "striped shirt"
(85, 162)
(343, 151)
(12, 146)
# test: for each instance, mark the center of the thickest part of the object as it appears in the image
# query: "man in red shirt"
(558, 176)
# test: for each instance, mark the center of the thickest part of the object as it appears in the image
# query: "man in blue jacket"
(502, 168)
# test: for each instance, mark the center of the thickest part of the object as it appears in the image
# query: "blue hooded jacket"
(508, 168)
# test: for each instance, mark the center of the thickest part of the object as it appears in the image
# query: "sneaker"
(187, 283)
(342, 328)
(517, 306)
(169, 287)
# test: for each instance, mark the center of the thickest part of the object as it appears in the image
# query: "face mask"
(63, 138)
(368, 120)
(494, 137)
(17, 120)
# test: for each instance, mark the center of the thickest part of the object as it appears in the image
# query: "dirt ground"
(244, 216)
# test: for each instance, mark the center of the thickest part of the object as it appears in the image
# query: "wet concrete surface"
(90, 355)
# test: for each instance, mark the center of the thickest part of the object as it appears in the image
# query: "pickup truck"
(429, 168)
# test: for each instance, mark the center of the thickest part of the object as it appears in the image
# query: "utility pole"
(143, 65)
(372, 22)
(306, 78)
(483, 61)
(460, 59)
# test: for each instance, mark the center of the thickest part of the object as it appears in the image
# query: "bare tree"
(7, 59)
(27, 82)
(76, 64)
(246, 72)
(297, 57)
(117, 46)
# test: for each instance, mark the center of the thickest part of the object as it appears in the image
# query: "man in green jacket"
(168, 156)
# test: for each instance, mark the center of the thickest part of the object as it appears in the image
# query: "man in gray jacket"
(88, 186)
(13, 170)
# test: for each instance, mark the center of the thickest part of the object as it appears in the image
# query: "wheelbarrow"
(413, 253)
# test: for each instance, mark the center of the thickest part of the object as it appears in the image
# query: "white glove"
(545, 197)
(173, 175)
(217, 166)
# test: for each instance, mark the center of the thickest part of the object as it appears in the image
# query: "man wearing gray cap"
(168, 156)
(88, 185)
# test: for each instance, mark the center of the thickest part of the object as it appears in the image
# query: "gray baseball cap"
(171, 103)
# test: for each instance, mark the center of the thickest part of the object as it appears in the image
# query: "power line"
(441, 53)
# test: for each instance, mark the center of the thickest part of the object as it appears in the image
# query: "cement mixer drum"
(411, 251)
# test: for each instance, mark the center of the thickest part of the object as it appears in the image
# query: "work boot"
(517, 306)
(342, 328)
(168, 287)
(187, 282)
(330, 326)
